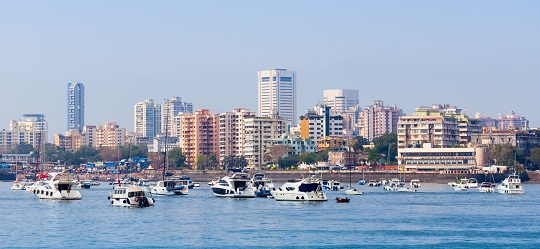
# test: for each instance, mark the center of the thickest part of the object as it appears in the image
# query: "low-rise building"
(299, 145)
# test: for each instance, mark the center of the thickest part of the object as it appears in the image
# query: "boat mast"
(166, 138)
(38, 158)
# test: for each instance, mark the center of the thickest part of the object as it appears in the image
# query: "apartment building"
(232, 132)
(200, 135)
(377, 119)
(319, 123)
(147, 118)
(260, 133)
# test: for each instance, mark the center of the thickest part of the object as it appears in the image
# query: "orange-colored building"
(200, 135)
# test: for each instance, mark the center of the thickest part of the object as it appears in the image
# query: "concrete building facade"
(377, 119)
(277, 94)
(319, 123)
(232, 132)
(260, 133)
(341, 100)
(147, 118)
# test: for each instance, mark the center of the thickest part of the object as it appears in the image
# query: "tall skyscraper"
(172, 111)
(277, 94)
(147, 119)
(75, 106)
(341, 100)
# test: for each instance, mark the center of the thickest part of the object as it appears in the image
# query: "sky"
(481, 56)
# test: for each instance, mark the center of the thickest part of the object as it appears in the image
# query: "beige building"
(110, 135)
(260, 133)
(200, 135)
(30, 129)
(440, 159)
(232, 132)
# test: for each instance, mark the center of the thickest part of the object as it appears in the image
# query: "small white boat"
(21, 185)
(170, 187)
(196, 184)
(353, 191)
(59, 187)
(393, 185)
(414, 185)
(511, 185)
(461, 185)
(262, 185)
(486, 187)
(126, 195)
(308, 189)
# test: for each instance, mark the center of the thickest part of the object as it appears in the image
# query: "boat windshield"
(308, 187)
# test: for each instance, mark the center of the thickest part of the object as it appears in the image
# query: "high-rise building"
(376, 120)
(75, 106)
(341, 100)
(171, 115)
(200, 135)
(277, 94)
(232, 132)
(147, 118)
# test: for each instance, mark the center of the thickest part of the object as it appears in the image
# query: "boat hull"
(221, 191)
(299, 196)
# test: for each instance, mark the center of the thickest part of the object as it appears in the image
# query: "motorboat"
(214, 181)
(85, 185)
(472, 183)
(486, 187)
(236, 186)
(373, 183)
(331, 185)
(361, 182)
(461, 185)
(21, 185)
(511, 185)
(126, 195)
(170, 187)
(414, 185)
(262, 185)
(196, 184)
(342, 200)
(393, 185)
(308, 189)
(59, 187)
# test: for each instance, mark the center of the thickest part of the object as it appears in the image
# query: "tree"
(22, 148)
(358, 142)
(276, 152)
(387, 145)
(288, 161)
(205, 162)
(157, 159)
(504, 154)
(308, 157)
(109, 154)
(374, 156)
(322, 156)
(176, 157)
(535, 158)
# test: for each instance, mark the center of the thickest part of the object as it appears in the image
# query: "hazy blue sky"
(482, 56)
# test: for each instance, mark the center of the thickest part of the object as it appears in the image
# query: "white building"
(147, 118)
(232, 132)
(341, 100)
(260, 132)
(277, 94)
(319, 123)
(440, 159)
(171, 116)
(30, 129)
(376, 120)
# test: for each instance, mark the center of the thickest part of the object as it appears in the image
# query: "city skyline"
(480, 56)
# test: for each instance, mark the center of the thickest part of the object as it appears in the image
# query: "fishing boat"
(309, 189)
(126, 195)
(342, 200)
(236, 186)
(511, 185)
(59, 187)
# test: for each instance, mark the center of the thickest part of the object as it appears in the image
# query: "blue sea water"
(438, 217)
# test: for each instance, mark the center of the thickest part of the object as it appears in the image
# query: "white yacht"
(235, 186)
(331, 185)
(126, 195)
(354, 191)
(170, 187)
(308, 189)
(511, 185)
(461, 185)
(262, 185)
(59, 187)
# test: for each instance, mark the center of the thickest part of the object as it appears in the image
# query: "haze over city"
(481, 56)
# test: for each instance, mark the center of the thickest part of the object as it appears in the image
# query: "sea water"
(436, 217)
